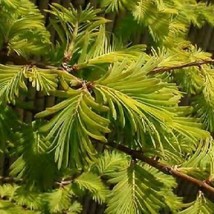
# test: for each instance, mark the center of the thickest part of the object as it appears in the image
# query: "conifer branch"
(19, 60)
(169, 170)
(166, 169)
(186, 65)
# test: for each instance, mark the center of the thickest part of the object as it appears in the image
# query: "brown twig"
(10, 180)
(169, 170)
(191, 64)
(19, 60)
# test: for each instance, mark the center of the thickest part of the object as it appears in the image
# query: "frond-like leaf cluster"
(21, 31)
(73, 123)
(155, 15)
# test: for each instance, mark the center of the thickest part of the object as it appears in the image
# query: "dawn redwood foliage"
(129, 120)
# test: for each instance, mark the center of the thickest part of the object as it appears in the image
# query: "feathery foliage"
(128, 118)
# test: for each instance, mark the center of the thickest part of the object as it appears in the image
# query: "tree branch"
(191, 64)
(169, 170)
(19, 60)
(202, 185)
